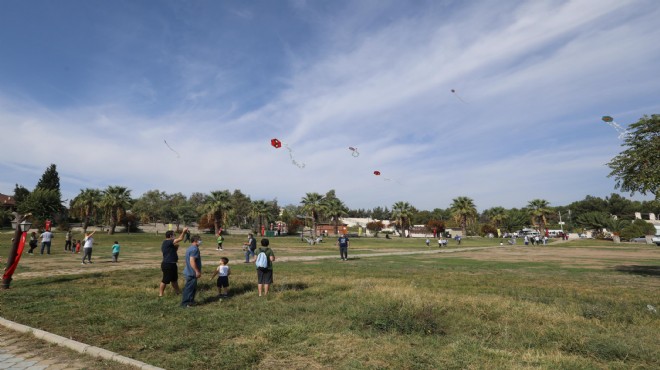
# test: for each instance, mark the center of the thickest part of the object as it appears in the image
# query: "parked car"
(641, 239)
(656, 240)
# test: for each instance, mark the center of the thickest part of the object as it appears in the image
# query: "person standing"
(220, 241)
(115, 251)
(87, 247)
(250, 247)
(265, 274)
(46, 238)
(33, 242)
(67, 241)
(168, 266)
(223, 273)
(343, 244)
(192, 272)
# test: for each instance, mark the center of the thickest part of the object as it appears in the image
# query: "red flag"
(10, 270)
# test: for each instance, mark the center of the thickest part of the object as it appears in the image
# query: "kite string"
(175, 152)
(293, 160)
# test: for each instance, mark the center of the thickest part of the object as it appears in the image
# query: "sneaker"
(83, 263)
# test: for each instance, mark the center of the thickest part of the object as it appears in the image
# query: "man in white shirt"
(46, 238)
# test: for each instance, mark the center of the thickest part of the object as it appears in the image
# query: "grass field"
(581, 304)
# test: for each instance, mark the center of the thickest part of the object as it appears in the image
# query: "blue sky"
(96, 87)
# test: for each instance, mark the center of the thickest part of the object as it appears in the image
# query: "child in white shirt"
(223, 273)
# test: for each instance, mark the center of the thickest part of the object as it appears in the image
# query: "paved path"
(24, 347)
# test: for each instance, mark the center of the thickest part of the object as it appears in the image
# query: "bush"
(636, 229)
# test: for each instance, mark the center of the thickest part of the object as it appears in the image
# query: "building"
(7, 202)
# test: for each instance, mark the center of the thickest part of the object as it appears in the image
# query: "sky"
(185, 96)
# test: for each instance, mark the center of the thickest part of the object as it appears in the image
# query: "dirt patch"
(592, 257)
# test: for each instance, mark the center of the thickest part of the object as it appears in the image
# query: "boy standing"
(220, 240)
(115, 251)
(223, 273)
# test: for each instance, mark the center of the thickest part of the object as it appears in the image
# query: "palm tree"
(538, 209)
(217, 207)
(313, 205)
(260, 209)
(115, 201)
(496, 216)
(402, 212)
(464, 211)
(336, 209)
(86, 204)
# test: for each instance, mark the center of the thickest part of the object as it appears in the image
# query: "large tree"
(539, 209)
(464, 211)
(335, 209)
(216, 208)
(43, 204)
(114, 202)
(260, 211)
(402, 212)
(313, 206)
(637, 169)
(85, 205)
(149, 208)
(50, 180)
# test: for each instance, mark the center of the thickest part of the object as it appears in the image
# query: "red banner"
(10, 270)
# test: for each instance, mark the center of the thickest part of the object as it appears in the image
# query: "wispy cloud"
(535, 77)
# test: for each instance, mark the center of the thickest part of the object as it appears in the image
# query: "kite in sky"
(354, 151)
(276, 143)
(622, 132)
(377, 173)
(175, 152)
(457, 96)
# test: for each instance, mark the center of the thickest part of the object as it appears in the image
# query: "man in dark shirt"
(170, 258)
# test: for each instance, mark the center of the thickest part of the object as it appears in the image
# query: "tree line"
(114, 206)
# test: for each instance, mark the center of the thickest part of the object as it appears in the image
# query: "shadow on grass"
(66, 279)
(249, 288)
(639, 270)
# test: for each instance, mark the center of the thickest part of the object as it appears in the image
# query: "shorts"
(264, 276)
(170, 272)
(223, 282)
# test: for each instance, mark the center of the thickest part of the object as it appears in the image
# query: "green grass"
(420, 311)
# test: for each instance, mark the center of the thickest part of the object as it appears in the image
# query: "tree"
(241, 208)
(313, 206)
(115, 201)
(216, 208)
(637, 169)
(495, 216)
(402, 212)
(375, 227)
(593, 220)
(43, 204)
(336, 209)
(85, 205)
(149, 207)
(50, 180)
(20, 194)
(636, 229)
(515, 220)
(260, 210)
(464, 211)
(539, 209)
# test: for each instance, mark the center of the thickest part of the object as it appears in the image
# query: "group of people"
(535, 240)
(71, 245)
(192, 271)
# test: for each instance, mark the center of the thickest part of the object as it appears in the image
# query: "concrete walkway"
(23, 347)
